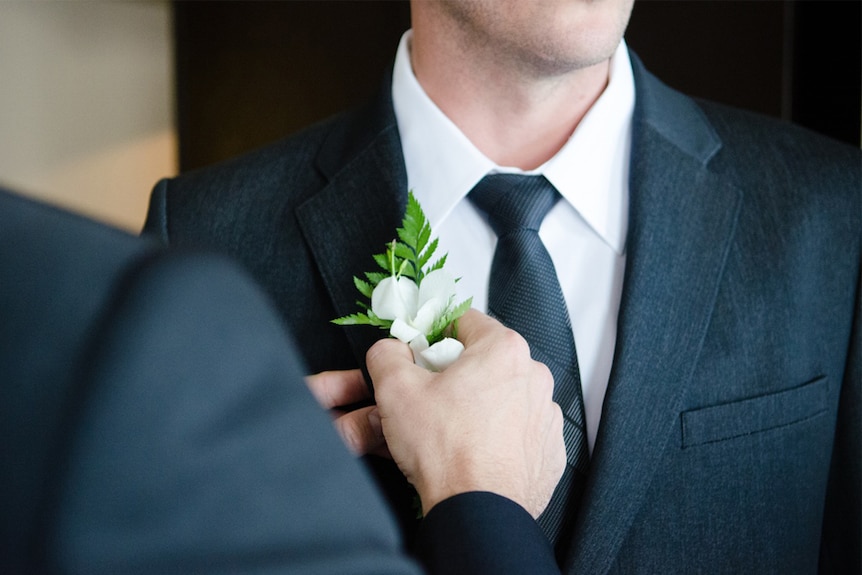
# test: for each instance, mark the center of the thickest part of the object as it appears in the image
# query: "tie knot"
(513, 201)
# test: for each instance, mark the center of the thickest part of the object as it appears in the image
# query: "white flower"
(414, 311)
(394, 298)
(440, 355)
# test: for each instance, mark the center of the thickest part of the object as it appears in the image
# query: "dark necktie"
(524, 294)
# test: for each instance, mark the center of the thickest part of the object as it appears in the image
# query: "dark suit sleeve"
(841, 547)
(196, 447)
(480, 532)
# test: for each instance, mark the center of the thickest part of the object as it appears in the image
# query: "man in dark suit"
(154, 420)
(710, 260)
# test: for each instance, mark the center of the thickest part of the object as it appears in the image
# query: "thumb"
(386, 357)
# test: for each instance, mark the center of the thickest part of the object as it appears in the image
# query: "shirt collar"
(590, 170)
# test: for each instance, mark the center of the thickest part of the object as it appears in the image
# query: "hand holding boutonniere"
(411, 299)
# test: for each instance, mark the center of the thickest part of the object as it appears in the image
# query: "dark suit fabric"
(483, 533)
(730, 433)
(154, 420)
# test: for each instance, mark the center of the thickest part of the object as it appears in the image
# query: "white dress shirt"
(585, 233)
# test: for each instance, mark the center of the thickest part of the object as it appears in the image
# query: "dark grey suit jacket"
(154, 420)
(730, 433)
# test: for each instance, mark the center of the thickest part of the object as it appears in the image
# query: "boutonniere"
(411, 297)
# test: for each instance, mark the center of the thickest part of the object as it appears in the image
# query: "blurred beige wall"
(86, 104)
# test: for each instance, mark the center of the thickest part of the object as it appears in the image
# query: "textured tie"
(524, 294)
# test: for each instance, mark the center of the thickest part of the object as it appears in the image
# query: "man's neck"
(515, 117)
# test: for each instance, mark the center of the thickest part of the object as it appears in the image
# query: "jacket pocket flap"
(753, 415)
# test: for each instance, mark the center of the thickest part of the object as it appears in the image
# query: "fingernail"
(374, 422)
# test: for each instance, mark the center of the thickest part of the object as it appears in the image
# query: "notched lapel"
(353, 217)
(681, 225)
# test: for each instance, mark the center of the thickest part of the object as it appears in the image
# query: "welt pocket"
(755, 414)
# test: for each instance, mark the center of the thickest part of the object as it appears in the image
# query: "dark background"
(252, 72)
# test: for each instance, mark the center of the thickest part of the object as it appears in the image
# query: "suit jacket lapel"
(681, 223)
(359, 209)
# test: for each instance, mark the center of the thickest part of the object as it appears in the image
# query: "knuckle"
(512, 342)
(545, 379)
(558, 420)
(513, 352)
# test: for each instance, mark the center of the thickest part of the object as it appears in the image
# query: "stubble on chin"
(540, 43)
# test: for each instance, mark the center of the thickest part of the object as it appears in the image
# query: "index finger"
(338, 388)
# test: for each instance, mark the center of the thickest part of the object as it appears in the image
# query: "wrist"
(468, 478)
